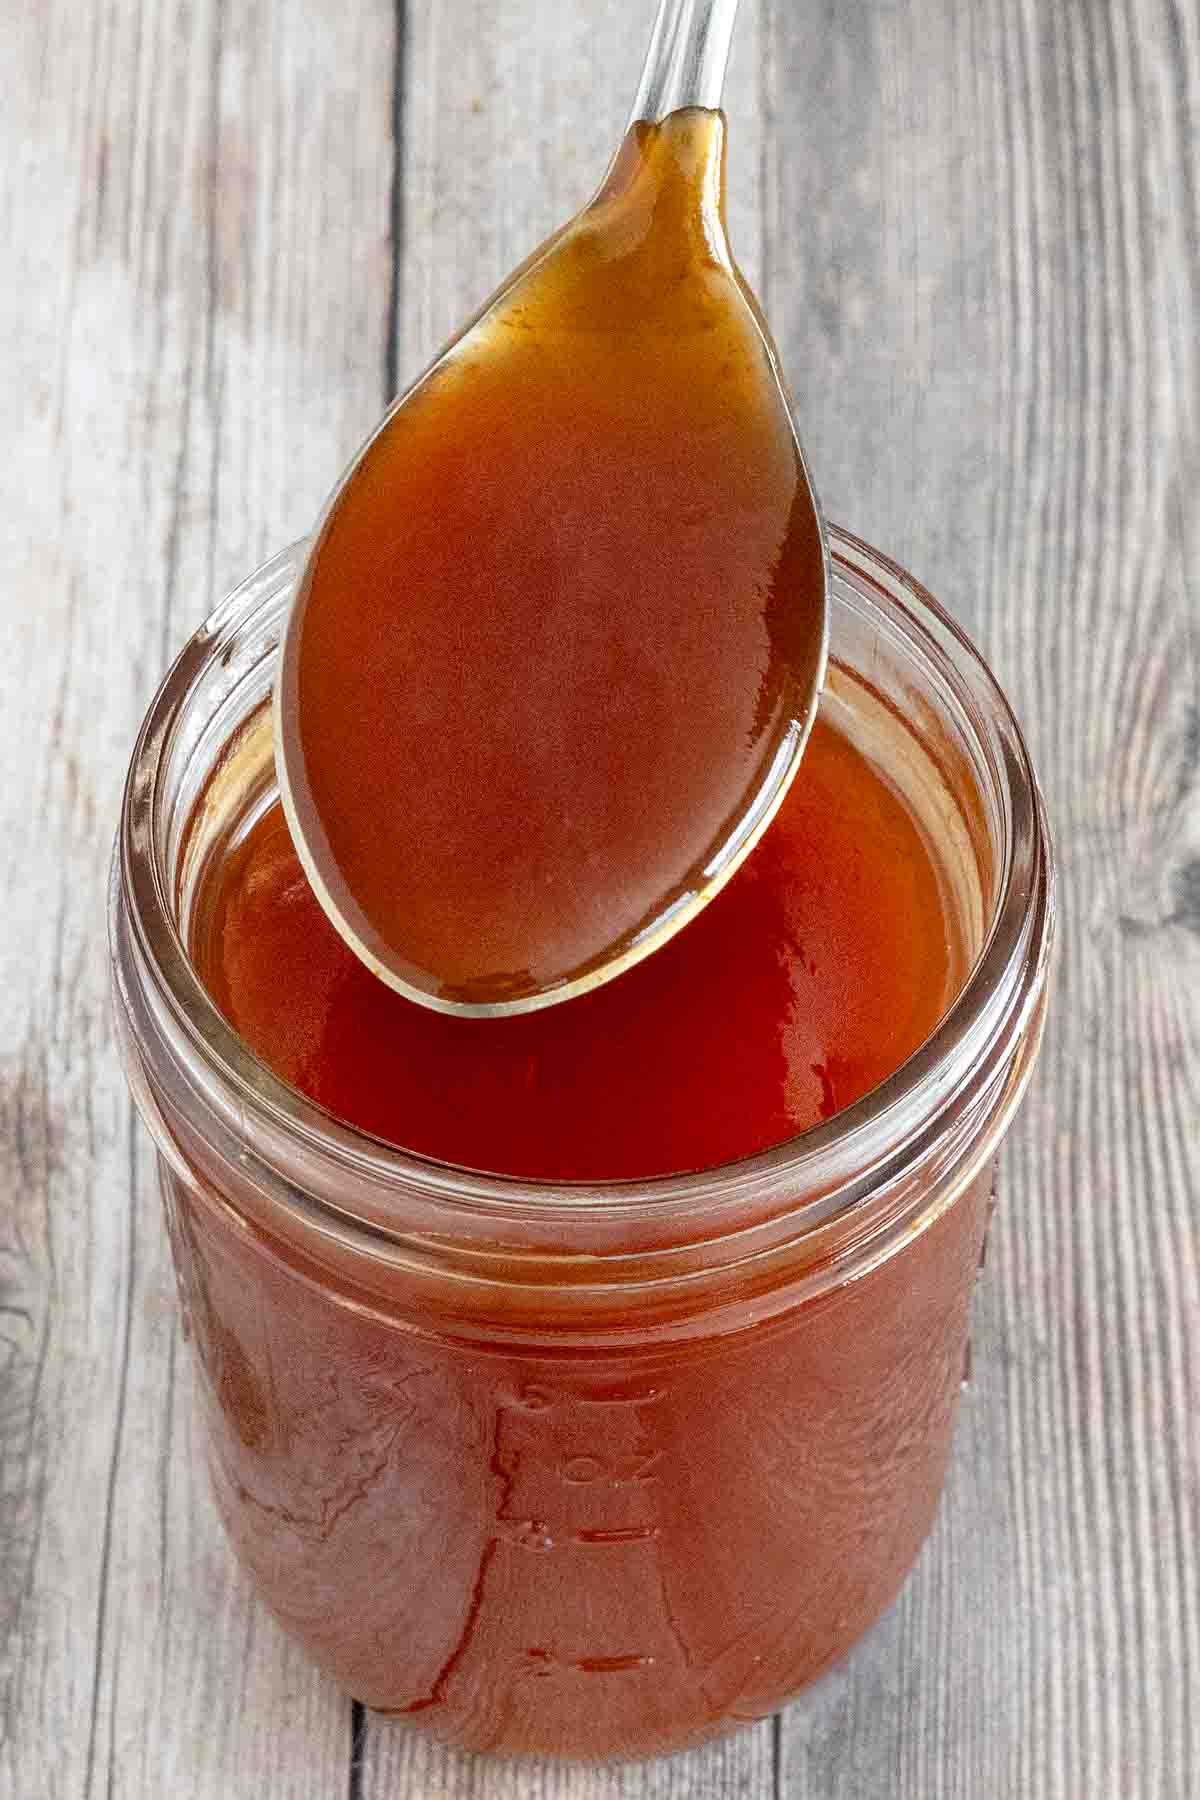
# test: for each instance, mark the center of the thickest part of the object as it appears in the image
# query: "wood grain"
(987, 300)
(195, 204)
(508, 116)
(977, 233)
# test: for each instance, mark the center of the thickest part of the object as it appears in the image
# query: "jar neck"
(736, 1263)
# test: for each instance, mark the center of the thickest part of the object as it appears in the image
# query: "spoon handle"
(685, 64)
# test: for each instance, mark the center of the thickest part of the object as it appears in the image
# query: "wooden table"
(231, 228)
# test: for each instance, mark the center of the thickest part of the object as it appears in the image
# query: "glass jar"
(589, 1470)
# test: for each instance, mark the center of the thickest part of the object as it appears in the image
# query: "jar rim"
(830, 1164)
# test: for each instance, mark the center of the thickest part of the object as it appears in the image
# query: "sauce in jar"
(591, 1470)
(605, 1553)
(819, 969)
(592, 1553)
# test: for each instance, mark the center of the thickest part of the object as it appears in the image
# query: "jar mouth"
(819, 1173)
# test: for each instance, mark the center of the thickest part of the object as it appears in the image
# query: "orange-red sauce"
(525, 1547)
(578, 637)
(822, 965)
(566, 611)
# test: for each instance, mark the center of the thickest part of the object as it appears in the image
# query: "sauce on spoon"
(560, 637)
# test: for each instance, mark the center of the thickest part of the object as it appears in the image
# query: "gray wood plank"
(195, 206)
(400, 1764)
(510, 115)
(984, 268)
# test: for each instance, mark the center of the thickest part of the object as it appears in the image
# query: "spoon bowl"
(562, 627)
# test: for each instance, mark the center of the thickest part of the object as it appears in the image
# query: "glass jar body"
(586, 1472)
(581, 1554)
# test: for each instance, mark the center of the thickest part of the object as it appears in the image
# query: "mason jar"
(583, 1469)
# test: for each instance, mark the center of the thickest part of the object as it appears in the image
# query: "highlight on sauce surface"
(560, 636)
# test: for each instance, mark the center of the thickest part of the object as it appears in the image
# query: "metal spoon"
(558, 643)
